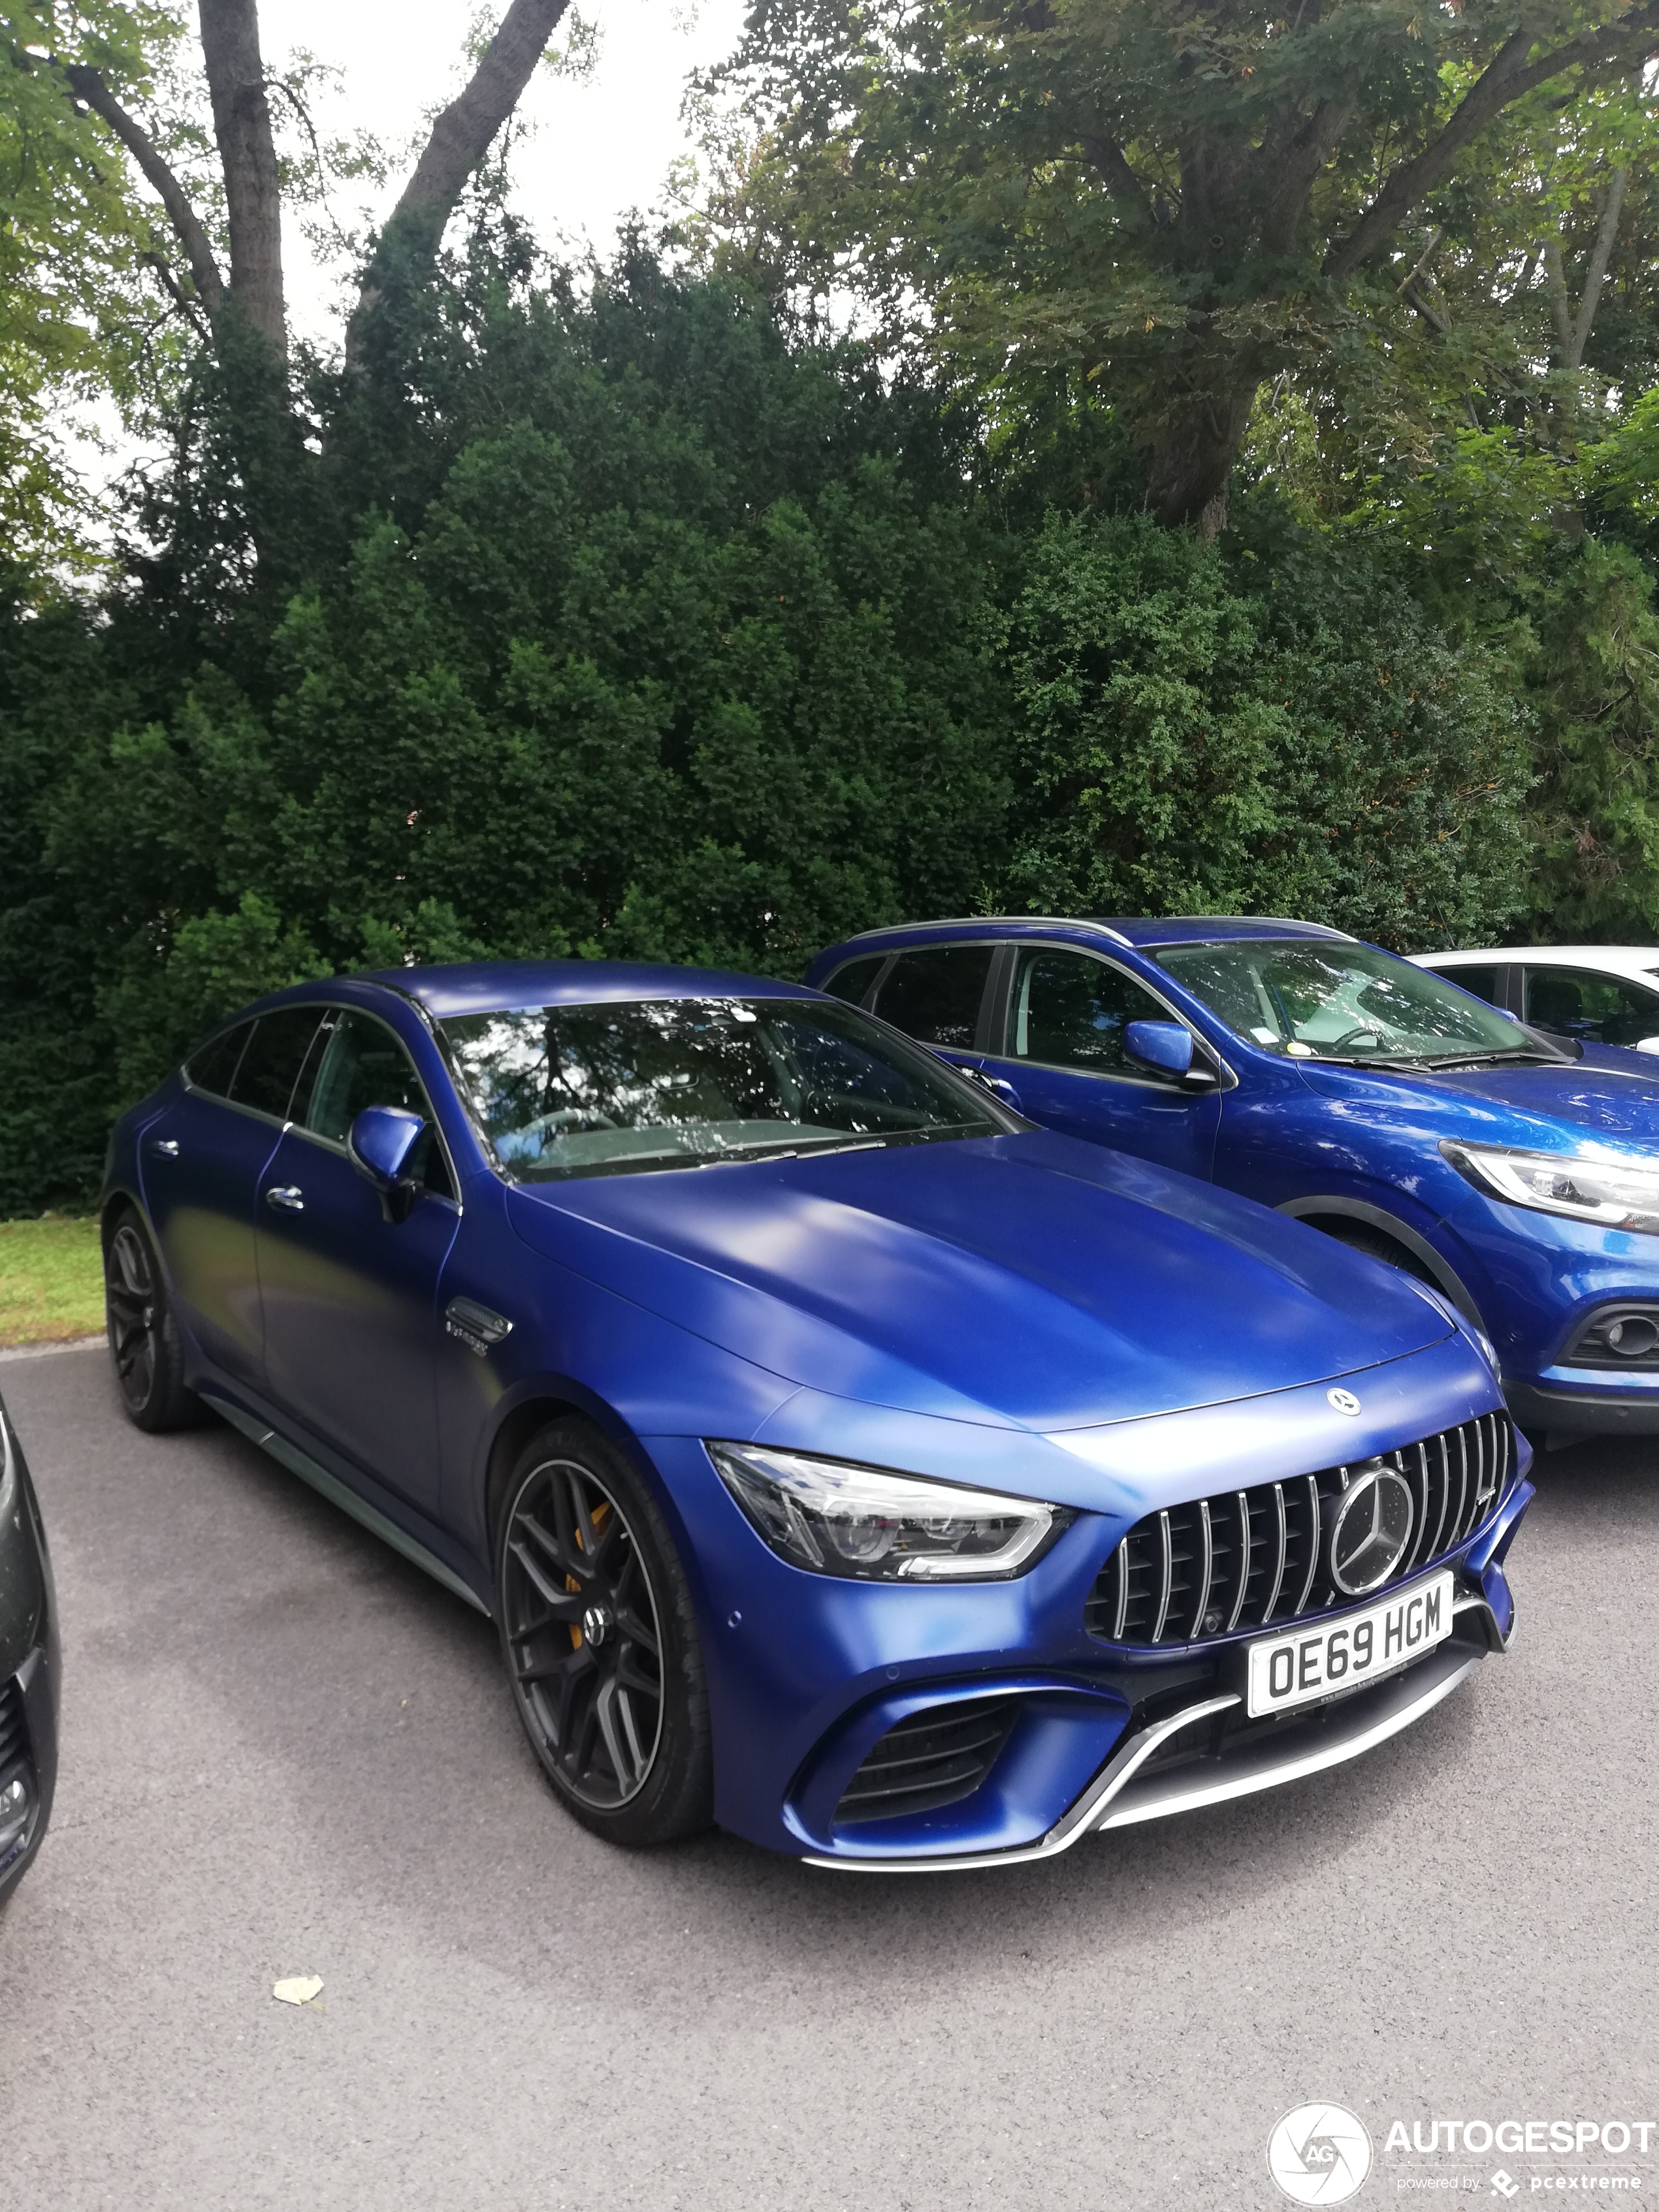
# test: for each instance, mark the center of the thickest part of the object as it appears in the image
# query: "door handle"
(287, 1198)
(166, 1146)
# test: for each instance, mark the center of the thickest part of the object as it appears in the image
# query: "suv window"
(212, 1066)
(935, 995)
(1069, 1010)
(851, 982)
(1600, 1009)
(364, 1065)
(1485, 983)
(273, 1059)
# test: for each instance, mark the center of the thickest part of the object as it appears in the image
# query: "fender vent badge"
(477, 1328)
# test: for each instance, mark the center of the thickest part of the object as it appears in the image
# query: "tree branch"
(87, 85)
(1506, 78)
(1607, 231)
(463, 134)
(1116, 173)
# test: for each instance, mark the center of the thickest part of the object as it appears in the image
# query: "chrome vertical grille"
(1245, 1558)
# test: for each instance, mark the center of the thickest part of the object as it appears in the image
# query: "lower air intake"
(11, 1724)
(932, 1758)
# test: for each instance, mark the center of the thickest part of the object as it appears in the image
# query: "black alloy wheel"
(601, 1642)
(144, 1337)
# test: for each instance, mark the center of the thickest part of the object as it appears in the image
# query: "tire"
(144, 1335)
(600, 1640)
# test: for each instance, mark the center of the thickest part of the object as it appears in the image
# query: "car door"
(349, 1294)
(1062, 1055)
(199, 1168)
(1589, 1004)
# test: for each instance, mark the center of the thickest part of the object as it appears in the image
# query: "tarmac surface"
(287, 1752)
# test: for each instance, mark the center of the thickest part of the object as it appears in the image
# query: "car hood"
(1029, 1280)
(1608, 1095)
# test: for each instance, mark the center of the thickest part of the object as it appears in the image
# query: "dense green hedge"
(637, 627)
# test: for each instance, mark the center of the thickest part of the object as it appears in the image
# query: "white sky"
(599, 148)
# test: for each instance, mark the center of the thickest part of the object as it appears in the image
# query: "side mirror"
(1165, 1045)
(381, 1141)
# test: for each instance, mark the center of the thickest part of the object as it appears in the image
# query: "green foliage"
(1192, 747)
(642, 628)
(1596, 818)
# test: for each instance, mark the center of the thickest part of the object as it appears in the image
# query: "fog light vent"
(932, 1758)
(1617, 1336)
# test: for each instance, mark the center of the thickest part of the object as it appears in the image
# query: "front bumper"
(1560, 1417)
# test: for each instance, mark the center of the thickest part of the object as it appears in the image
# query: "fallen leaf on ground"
(300, 1990)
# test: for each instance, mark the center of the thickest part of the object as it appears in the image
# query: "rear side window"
(1485, 982)
(935, 995)
(212, 1066)
(1600, 1009)
(273, 1059)
(362, 1064)
(1069, 1011)
(851, 982)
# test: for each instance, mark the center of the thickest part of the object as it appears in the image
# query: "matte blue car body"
(1023, 1312)
(1321, 1141)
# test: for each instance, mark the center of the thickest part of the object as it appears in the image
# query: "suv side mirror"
(1165, 1045)
(381, 1142)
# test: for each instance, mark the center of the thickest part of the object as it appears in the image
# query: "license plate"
(1304, 1665)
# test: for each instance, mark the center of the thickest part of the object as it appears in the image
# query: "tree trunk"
(247, 154)
(1192, 455)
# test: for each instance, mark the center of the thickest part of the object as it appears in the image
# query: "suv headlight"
(1608, 1191)
(870, 1525)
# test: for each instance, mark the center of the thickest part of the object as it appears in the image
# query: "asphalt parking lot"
(285, 1752)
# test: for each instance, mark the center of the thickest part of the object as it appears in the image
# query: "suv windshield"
(1332, 1001)
(676, 1083)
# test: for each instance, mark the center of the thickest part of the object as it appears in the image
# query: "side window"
(933, 995)
(212, 1066)
(362, 1064)
(1600, 1009)
(273, 1059)
(1485, 982)
(1070, 1011)
(851, 982)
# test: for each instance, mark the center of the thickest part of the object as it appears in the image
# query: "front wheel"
(143, 1336)
(601, 1641)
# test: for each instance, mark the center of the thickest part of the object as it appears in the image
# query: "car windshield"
(675, 1083)
(1350, 1002)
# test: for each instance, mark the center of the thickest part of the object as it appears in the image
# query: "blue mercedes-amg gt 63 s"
(844, 1459)
(1517, 1171)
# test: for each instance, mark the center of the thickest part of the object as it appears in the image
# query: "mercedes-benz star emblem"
(1343, 1400)
(1372, 1529)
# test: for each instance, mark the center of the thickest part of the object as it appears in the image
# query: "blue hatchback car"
(842, 1458)
(1514, 1171)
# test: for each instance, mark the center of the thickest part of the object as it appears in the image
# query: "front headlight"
(7, 1472)
(870, 1525)
(1608, 1191)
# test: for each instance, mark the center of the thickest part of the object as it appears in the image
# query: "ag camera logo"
(1319, 2155)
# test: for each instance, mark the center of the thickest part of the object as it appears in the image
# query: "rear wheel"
(143, 1336)
(601, 1641)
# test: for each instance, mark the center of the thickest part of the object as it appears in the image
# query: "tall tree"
(1177, 199)
(249, 288)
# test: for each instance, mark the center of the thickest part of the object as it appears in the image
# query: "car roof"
(1645, 958)
(1120, 929)
(486, 987)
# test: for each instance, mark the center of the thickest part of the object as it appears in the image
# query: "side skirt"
(341, 1494)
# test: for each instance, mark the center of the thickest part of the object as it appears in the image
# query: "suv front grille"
(932, 1758)
(11, 1724)
(1247, 1557)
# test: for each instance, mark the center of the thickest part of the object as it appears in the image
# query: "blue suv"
(1516, 1172)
